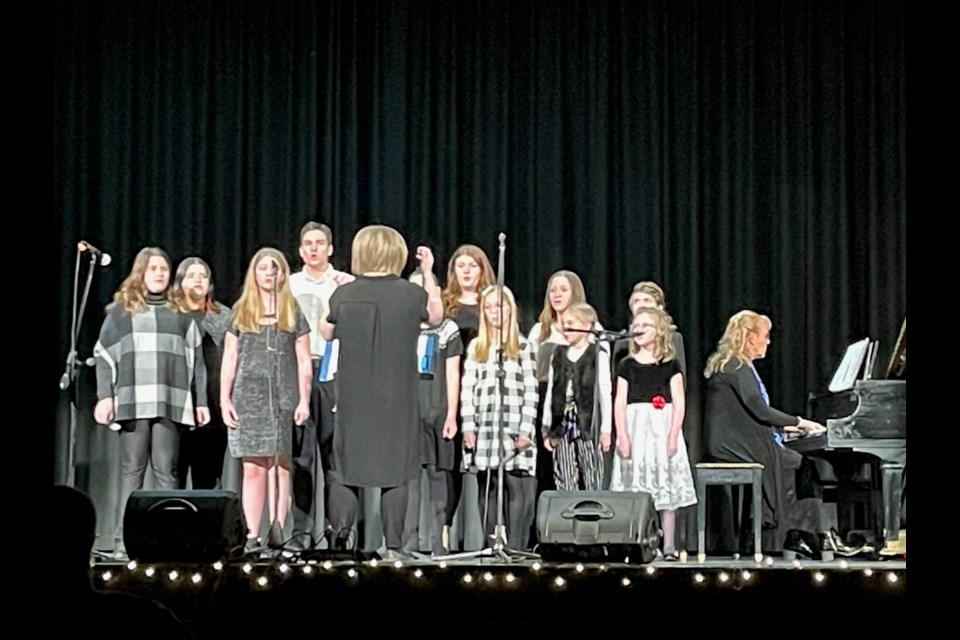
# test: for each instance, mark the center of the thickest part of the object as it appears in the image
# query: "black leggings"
(519, 496)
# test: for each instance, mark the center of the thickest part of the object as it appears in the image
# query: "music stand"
(498, 549)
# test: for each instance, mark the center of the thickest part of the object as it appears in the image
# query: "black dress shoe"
(801, 544)
(831, 540)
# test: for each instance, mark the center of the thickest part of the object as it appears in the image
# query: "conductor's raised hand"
(425, 258)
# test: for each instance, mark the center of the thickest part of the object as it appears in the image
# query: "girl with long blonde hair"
(649, 409)
(150, 393)
(265, 389)
(741, 425)
(481, 401)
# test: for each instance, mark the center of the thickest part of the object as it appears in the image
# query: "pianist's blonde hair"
(733, 343)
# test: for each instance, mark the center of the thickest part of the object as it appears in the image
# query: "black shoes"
(802, 545)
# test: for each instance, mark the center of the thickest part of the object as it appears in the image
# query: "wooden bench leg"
(757, 517)
(701, 520)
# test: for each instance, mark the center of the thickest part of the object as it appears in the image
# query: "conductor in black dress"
(741, 426)
(376, 440)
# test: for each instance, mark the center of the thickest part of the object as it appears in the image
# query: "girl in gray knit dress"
(265, 388)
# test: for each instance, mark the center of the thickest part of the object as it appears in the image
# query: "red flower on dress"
(659, 402)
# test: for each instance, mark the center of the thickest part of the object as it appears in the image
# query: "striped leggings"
(577, 465)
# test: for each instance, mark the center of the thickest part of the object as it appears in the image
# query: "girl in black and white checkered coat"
(481, 401)
(151, 376)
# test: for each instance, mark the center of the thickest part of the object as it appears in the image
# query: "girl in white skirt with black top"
(649, 408)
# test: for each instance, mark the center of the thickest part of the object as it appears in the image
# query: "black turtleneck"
(156, 299)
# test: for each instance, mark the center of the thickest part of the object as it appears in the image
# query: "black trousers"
(345, 507)
(519, 500)
(437, 482)
(201, 455)
(305, 447)
(150, 440)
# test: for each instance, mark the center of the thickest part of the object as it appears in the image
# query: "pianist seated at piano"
(741, 426)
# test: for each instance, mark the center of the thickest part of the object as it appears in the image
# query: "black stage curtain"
(742, 154)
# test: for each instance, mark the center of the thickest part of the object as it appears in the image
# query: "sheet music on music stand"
(853, 360)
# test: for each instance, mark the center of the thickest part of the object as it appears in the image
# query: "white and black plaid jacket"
(151, 364)
(480, 407)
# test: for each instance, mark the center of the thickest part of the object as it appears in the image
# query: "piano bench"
(728, 474)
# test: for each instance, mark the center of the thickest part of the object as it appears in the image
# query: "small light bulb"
(844, 564)
(651, 570)
(218, 566)
(397, 564)
(262, 581)
(373, 562)
(467, 578)
(106, 576)
(247, 568)
(510, 577)
(132, 565)
(536, 566)
(724, 576)
(769, 561)
(579, 568)
(150, 572)
(443, 564)
(819, 577)
(699, 578)
(796, 564)
(327, 565)
(418, 574)
(868, 572)
(892, 577)
(307, 570)
(196, 578)
(173, 575)
(746, 575)
(559, 581)
(488, 576)
(284, 568)
(352, 572)
(603, 567)
(625, 582)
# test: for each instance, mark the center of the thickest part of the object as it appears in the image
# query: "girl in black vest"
(568, 424)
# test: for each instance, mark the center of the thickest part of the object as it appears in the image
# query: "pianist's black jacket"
(738, 427)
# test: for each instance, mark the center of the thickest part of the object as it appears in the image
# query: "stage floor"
(720, 593)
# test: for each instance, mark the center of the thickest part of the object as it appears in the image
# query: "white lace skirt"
(648, 469)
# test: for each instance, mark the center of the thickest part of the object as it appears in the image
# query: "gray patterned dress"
(265, 410)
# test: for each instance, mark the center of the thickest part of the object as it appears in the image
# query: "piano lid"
(897, 369)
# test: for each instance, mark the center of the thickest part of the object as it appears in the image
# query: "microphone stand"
(275, 535)
(499, 548)
(69, 376)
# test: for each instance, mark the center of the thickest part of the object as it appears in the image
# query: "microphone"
(72, 361)
(105, 258)
(502, 238)
(274, 267)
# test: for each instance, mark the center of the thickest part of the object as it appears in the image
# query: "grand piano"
(861, 457)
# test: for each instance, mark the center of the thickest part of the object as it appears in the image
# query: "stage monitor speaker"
(597, 526)
(184, 526)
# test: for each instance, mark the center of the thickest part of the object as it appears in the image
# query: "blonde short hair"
(582, 312)
(378, 248)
